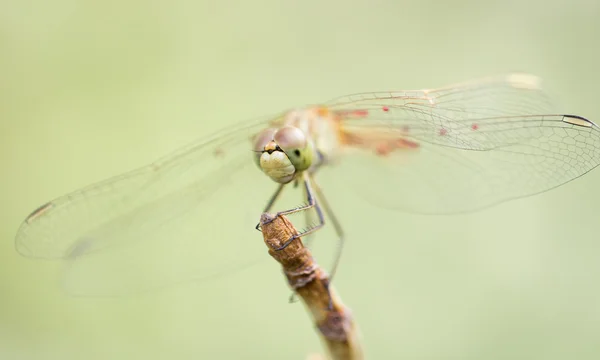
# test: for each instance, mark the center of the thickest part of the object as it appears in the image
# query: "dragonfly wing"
(188, 216)
(463, 147)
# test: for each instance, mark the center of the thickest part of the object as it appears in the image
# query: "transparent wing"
(463, 147)
(188, 216)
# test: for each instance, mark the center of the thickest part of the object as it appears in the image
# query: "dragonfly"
(188, 216)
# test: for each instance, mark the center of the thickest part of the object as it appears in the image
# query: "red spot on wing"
(385, 108)
(404, 143)
(383, 149)
(358, 113)
(474, 127)
(443, 132)
(387, 147)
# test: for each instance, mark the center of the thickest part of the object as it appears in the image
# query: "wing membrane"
(467, 146)
(158, 225)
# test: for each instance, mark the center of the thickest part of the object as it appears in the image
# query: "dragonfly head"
(283, 153)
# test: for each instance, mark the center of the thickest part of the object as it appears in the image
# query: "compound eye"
(296, 146)
(290, 138)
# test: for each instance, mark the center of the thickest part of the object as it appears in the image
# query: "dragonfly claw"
(259, 227)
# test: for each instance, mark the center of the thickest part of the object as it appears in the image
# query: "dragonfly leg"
(271, 202)
(341, 239)
(311, 203)
(337, 227)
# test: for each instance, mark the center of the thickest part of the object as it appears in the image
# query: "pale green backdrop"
(91, 89)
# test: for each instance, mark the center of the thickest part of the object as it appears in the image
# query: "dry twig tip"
(338, 331)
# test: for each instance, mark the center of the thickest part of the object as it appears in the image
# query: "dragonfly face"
(283, 153)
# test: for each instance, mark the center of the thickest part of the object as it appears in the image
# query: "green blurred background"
(92, 89)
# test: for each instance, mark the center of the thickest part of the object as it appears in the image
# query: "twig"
(334, 321)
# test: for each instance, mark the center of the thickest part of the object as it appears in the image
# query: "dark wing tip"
(579, 121)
